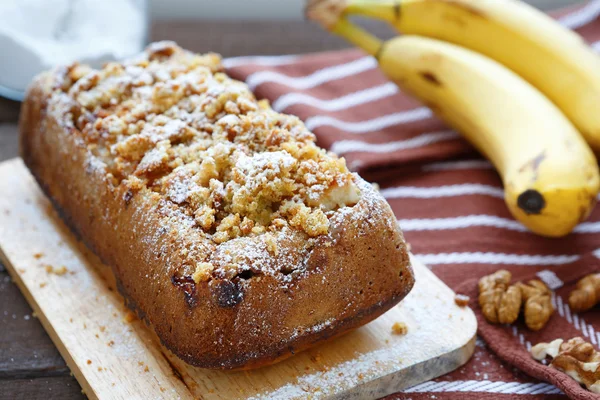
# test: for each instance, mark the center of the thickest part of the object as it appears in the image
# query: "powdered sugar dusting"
(168, 124)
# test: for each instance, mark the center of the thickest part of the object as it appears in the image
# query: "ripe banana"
(552, 58)
(550, 174)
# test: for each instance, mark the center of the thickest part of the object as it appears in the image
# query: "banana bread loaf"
(235, 237)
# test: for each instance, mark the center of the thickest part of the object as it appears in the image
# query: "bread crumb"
(102, 328)
(61, 271)
(70, 319)
(399, 328)
(37, 256)
(99, 368)
(89, 362)
(97, 336)
(361, 376)
(140, 363)
(57, 271)
(461, 300)
(162, 389)
(146, 369)
(43, 284)
(21, 270)
(112, 342)
(129, 317)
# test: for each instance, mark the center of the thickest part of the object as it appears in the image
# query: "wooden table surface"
(30, 366)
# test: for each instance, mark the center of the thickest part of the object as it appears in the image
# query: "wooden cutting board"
(115, 356)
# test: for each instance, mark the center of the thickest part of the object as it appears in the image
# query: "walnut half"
(538, 303)
(576, 357)
(500, 302)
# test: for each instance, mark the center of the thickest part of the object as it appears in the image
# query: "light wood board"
(115, 356)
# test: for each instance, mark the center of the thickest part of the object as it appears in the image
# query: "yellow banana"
(552, 58)
(550, 174)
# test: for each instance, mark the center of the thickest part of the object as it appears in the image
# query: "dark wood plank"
(9, 110)
(8, 141)
(238, 38)
(26, 351)
(54, 388)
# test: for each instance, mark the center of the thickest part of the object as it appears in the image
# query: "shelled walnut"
(576, 357)
(538, 304)
(500, 302)
(586, 294)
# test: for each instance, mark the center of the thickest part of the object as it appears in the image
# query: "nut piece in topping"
(576, 357)
(203, 271)
(538, 305)
(587, 293)
(500, 302)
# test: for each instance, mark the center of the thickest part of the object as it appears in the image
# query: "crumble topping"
(171, 123)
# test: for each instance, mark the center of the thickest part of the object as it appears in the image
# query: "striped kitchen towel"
(448, 201)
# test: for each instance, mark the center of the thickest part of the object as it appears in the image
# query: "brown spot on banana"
(534, 164)
(456, 19)
(397, 10)
(531, 201)
(431, 78)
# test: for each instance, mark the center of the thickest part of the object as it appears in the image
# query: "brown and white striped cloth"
(449, 203)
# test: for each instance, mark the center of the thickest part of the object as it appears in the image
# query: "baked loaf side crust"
(273, 302)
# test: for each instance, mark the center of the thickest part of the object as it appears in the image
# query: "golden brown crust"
(336, 281)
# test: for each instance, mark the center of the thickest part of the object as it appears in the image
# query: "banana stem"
(386, 10)
(357, 36)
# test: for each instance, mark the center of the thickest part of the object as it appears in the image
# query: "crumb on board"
(111, 343)
(57, 271)
(37, 256)
(99, 368)
(461, 300)
(71, 320)
(61, 270)
(89, 362)
(399, 328)
(43, 284)
(146, 369)
(97, 336)
(21, 270)
(102, 328)
(162, 389)
(129, 317)
(140, 363)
